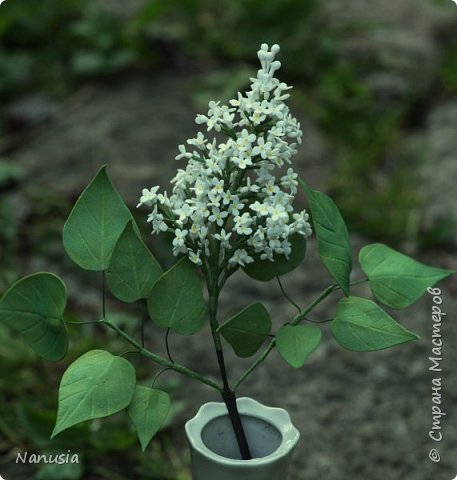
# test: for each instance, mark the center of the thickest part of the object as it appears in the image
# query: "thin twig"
(128, 352)
(167, 345)
(286, 295)
(142, 331)
(103, 296)
(90, 322)
(158, 375)
(317, 321)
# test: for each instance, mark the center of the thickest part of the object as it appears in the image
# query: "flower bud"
(261, 55)
(276, 65)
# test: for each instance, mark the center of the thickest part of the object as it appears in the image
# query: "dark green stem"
(228, 395)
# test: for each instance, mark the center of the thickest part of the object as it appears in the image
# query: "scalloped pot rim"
(277, 417)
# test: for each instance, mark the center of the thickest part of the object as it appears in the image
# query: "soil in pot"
(263, 438)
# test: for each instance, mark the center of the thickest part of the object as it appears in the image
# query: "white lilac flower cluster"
(235, 198)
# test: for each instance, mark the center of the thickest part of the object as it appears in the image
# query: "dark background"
(87, 83)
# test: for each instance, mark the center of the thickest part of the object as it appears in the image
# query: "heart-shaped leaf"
(133, 269)
(295, 343)
(247, 330)
(396, 279)
(96, 385)
(332, 237)
(266, 270)
(176, 299)
(362, 326)
(34, 306)
(95, 224)
(148, 411)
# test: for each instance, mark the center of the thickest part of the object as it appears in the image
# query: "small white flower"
(263, 148)
(226, 197)
(182, 153)
(148, 197)
(243, 161)
(245, 140)
(290, 181)
(203, 233)
(213, 108)
(195, 257)
(158, 224)
(212, 166)
(203, 210)
(277, 131)
(243, 224)
(257, 117)
(201, 119)
(184, 213)
(180, 237)
(194, 230)
(240, 257)
(223, 237)
(179, 241)
(163, 199)
(217, 216)
(200, 188)
(278, 212)
(261, 208)
(218, 186)
(301, 224)
(271, 188)
(199, 141)
(236, 206)
(267, 255)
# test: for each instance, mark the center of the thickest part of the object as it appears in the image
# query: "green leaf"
(96, 385)
(296, 343)
(95, 224)
(34, 306)
(133, 269)
(332, 237)
(148, 411)
(176, 299)
(266, 270)
(396, 279)
(247, 330)
(362, 326)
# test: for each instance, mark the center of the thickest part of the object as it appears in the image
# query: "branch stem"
(163, 361)
(296, 320)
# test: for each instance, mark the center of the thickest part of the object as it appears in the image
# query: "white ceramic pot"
(215, 455)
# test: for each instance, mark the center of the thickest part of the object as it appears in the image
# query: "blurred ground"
(379, 134)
